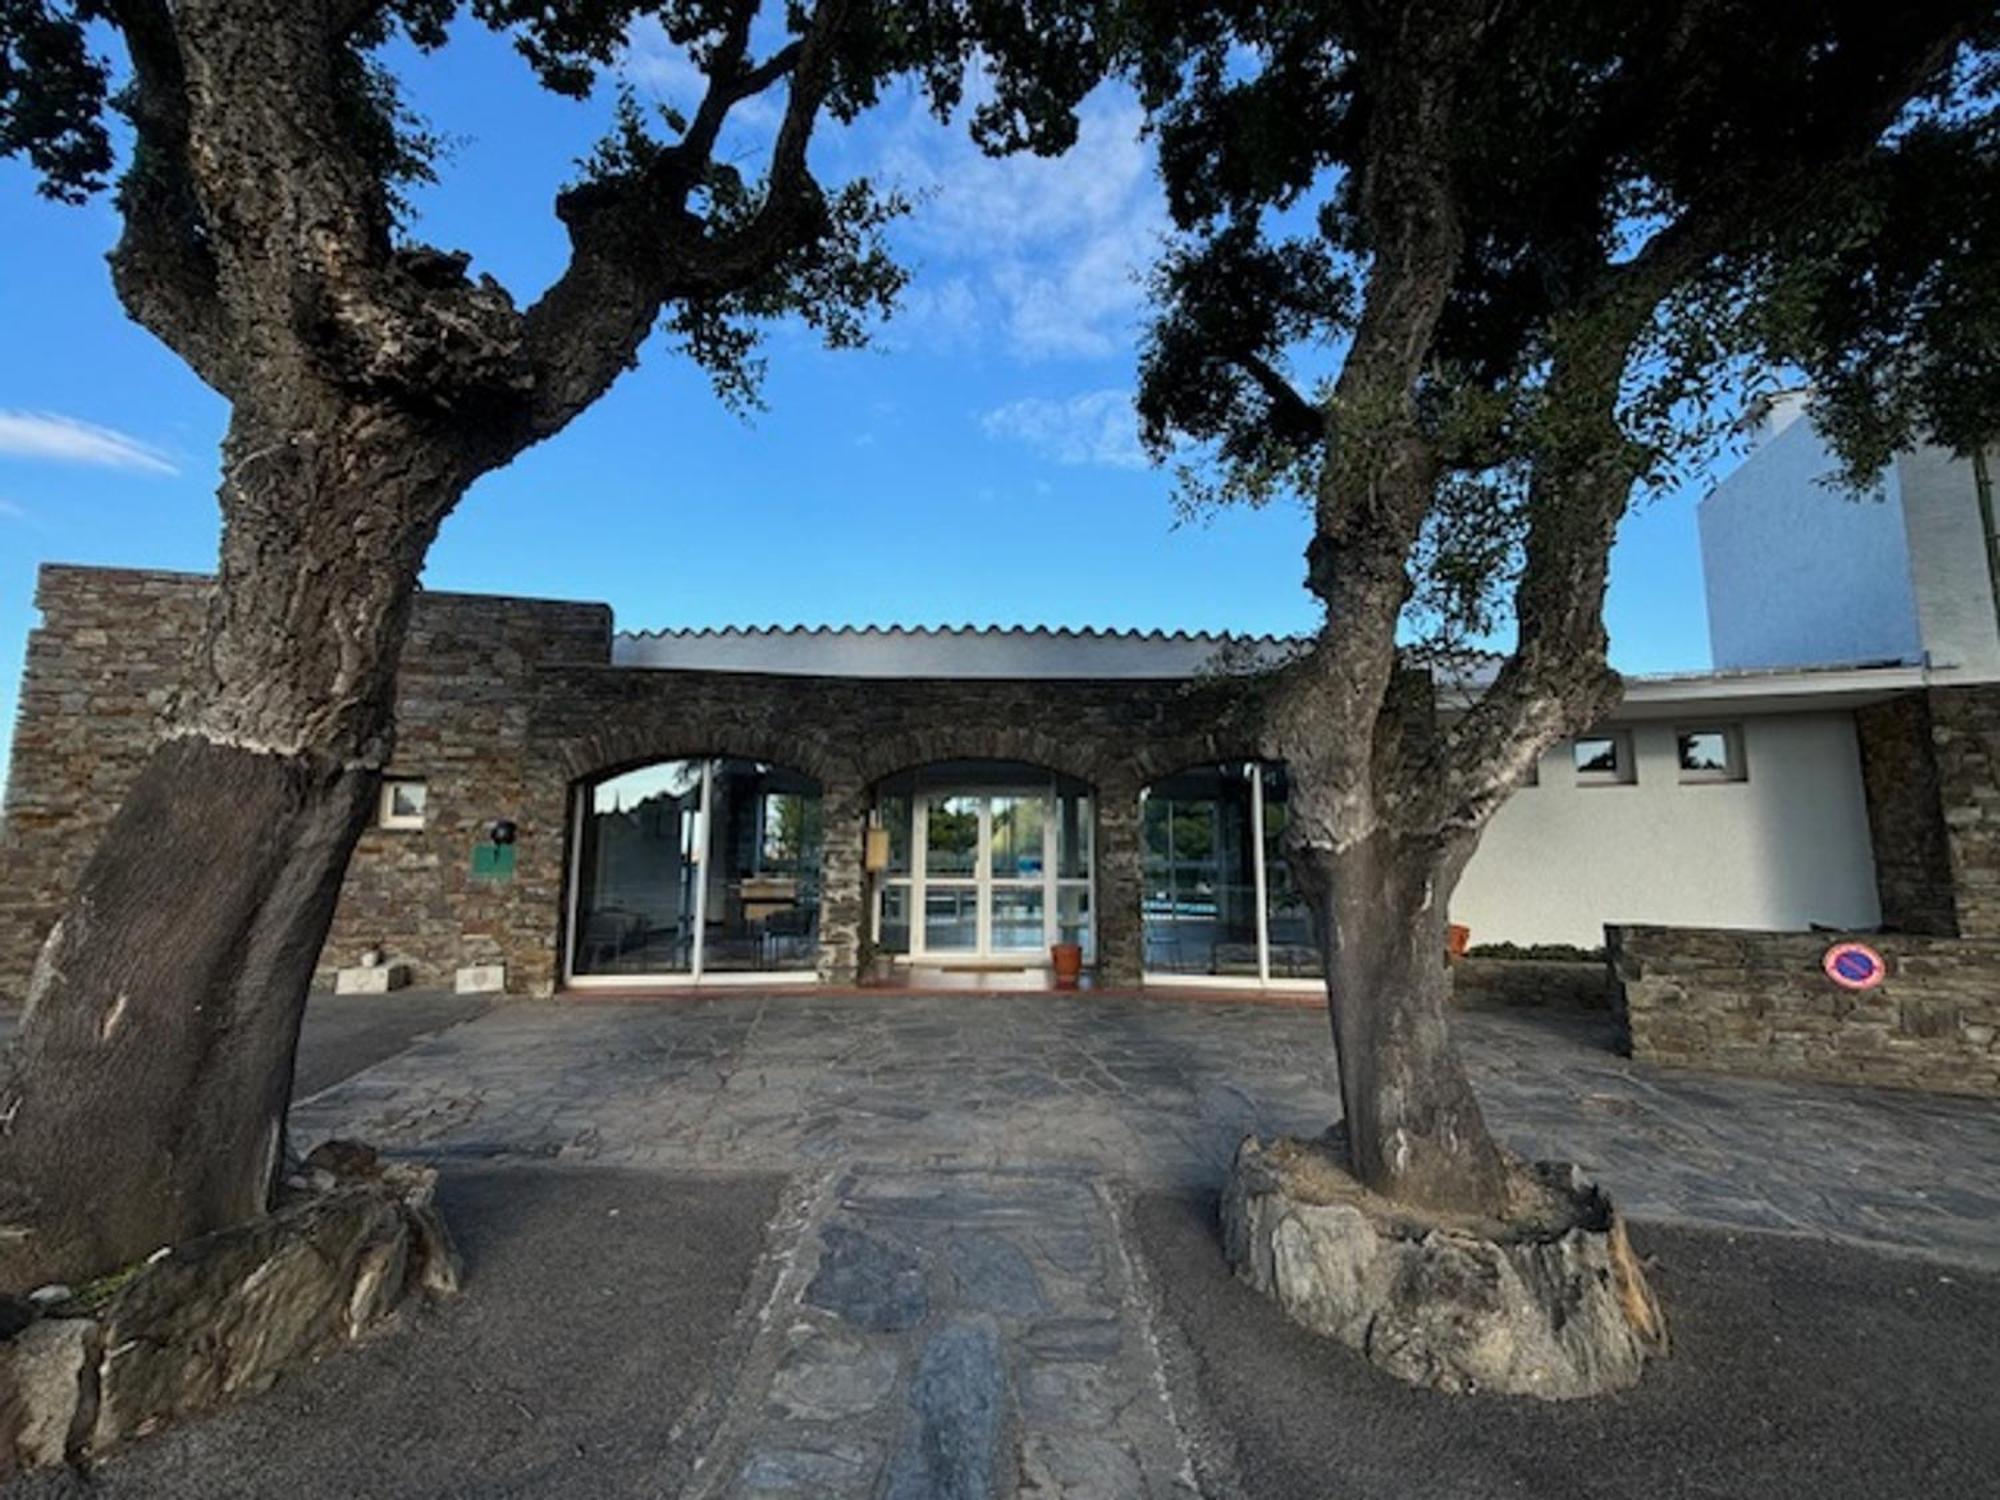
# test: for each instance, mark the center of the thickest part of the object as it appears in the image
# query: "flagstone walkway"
(1151, 1092)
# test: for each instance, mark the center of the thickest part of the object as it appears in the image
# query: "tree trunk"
(147, 1089)
(1413, 1125)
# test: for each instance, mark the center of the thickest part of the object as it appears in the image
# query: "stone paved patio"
(1151, 1092)
(950, 1304)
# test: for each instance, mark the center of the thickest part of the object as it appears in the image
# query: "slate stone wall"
(1759, 1002)
(1965, 736)
(107, 658)
(1899, 773)
(111, 649)
(504, 706)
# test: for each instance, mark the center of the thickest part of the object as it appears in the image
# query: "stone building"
(769, 806)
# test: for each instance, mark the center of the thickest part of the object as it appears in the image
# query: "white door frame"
(981, 880)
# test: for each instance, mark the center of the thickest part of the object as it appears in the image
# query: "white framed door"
(983, 876)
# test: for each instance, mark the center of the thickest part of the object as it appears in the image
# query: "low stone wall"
(1759, 1002)
(1509, 983)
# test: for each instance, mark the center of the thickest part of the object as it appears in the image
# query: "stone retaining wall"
(1759, 1002)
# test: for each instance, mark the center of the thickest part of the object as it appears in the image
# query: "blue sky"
(978, 465)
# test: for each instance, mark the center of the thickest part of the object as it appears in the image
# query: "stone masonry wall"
(849, 733)
(111, 649)
(1965, 735)
(1758, 1002)
(1906, 828)
(102, 667)
(505, 705)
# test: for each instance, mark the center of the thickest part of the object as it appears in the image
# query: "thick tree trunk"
(1413, 1125)
(146, 1092)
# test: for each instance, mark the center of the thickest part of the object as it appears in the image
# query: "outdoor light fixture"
(503, 831)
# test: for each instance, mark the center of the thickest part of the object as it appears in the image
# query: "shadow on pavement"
(1799, 1369)
(595, 1304)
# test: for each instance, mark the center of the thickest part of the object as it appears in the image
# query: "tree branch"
(635, 244)
(1558, 681)
(161, 266)
(1301, 422)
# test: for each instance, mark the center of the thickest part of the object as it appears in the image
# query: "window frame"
(1736, 766)
(386, 815)
(1625, 769)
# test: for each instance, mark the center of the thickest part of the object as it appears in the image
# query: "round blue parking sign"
(1854, 966)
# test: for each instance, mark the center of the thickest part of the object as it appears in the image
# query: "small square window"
(1603, 759)
(403, 803)
(1711, 753)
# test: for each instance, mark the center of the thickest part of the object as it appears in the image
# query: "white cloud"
(1044, 255)
(48, 435)
(1094, 427)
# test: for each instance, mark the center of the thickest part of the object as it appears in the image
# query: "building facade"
(730, 807)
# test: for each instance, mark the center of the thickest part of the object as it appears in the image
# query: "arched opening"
(980, 863)
(1218, 904)
(696, 871)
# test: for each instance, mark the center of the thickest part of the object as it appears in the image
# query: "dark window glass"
(1706, 752)
(1597, 757)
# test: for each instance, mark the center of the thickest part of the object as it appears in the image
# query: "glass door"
(950, 875)
(984, 874)
(1016, 872)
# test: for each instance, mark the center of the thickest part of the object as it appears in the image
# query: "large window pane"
(1017, 918)
(951, 846)
(1294, 949)
(763, 876)
(637, 871)
(1073, 917)
(1017, 838)
(1200, 879)
(893, 933)
(1073, 835)
(951, 918)
(893, 810)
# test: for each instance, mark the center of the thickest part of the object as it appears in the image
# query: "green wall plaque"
(492, 861)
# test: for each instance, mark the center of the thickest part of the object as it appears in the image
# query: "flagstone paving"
(1151, 1092)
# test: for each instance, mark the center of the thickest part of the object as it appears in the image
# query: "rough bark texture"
(371, 382)
(1414, 1126)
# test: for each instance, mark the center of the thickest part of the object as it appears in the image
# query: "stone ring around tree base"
(351, 1242)
(1557, 1308)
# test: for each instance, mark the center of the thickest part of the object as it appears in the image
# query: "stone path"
(1154, 1092)
(940, 1335)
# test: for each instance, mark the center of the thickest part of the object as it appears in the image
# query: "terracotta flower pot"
(1456, 940)
(1067, 959)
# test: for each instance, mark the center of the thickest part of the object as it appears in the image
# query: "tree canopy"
(1802, 192)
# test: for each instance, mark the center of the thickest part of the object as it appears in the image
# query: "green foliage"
(1553, 953)
(52, 97)
(832, 271)
(1889, 299)
(1585, 138)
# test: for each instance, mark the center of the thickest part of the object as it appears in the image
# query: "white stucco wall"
(1799, 573)
(1784, 849)
(1948, 570)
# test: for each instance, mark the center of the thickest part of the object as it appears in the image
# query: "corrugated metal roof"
(988, 651)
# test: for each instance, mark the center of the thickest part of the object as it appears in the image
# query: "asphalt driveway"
(597, 1305)
(1799, 1368)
